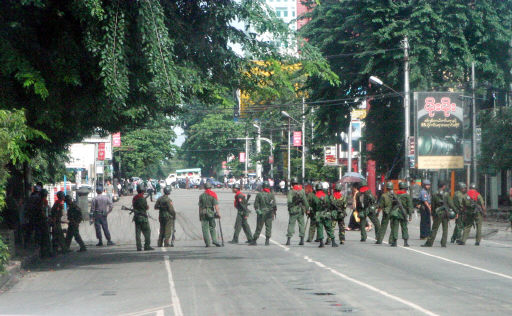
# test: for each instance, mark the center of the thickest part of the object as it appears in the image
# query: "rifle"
(125, 208)
(400, 205)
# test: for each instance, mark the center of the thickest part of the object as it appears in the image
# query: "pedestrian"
(208, 211)
(339, 207)
(385, 206)
(140, 218)
(401, 213)
(150, 189)
(109, 190)
(322, 206)
(36, 213)
(166, 217)
(58, 241)
(101, 206)
(297, 207)
(425, 210)
(474, 211)
(74, 219)
(266, 208)
(458, 202)
(241, 217)
(366, 208)
(442, 203)
(282, 185)
(310, 213)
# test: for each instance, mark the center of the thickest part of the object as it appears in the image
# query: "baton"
(221, 235)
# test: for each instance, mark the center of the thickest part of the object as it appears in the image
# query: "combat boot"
(288, 241)
(477, 243)
(267, 241)
(217, 244)
(426, 245)
(301, 243)
(460, 243)
(393, 244)
(378, 242)
(405, 243)
(321, 243)
(334, 244)
(328, 242)
(166, 243)
(99, 244)
(253, 242)
(234, 242)
(159, 243)
(148, 248)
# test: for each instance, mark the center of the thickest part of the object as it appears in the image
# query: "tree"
(496, 144)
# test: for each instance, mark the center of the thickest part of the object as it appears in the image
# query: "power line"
(367, 52)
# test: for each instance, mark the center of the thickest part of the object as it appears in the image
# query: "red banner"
(116, 140)
(241, 157)
(297, 139)
(101, 151)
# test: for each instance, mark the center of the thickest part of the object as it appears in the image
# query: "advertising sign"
(439, 130)
(101, 151)
(241, 157)
(330, 156)
(297, 139)
(116, 140)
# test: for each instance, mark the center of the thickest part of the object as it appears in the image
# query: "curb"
(14, 271)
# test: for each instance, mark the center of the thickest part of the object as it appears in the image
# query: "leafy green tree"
(496, 144)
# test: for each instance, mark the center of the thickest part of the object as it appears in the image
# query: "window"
(293, 13)
(282, 11)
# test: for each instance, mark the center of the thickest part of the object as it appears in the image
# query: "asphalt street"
(189, 279)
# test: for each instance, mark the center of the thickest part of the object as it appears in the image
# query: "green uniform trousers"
(376, 224)
(383, 227)
(394, 230)
(241, 222)
(299, 218)
(142, 227)
(438, 220)
(74, 232)
(324, 222)
(312, 229)
(208, 227)
(468, 223)
(166, 230)
(58, 240)
(459, 228)
(266, 219)
(341, 228)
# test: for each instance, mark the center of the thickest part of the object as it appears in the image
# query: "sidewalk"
(14, 271)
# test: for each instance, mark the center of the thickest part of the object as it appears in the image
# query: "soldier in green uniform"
(365, 206)
(401, 211)
(442, 203)
(166, 217)
(339, 211)
(297, 206)
(458, 200)
(56, 213)
(311, 215)
(474, 211)
(242, 208)
(266, 208)
(140, 217)
(323, 212)
(385, 206)
(74, 220)
(208, 210)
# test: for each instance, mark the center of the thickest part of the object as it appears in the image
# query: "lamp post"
(289, 118)
(285, 114)
(258, 150)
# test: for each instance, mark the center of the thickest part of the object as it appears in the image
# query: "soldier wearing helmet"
(385, 205)
(339, 205)
(166, 217)
(366, 208)
(241, 205)
(458, 200)
(401, 212)
(298, 205)
(57, 210)
(208, 211)
(425, 210)
(322, 205)
(74, 219)
(310, 194)
(474, 211)
(442, 203)
(266, 208)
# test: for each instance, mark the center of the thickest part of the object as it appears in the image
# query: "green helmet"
(319, 187)
(167, 190)
(390, 186)
(472, 186)
(363, 183)
(403, 185)
(461, 186)
(265, 185)
(294, 180)
(236, 186)
(208, 185)
(338, 187)
(451, 214)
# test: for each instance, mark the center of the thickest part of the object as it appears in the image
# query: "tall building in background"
(286, 10)
(301, 9)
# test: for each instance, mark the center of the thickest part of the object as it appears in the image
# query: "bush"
(4, 255)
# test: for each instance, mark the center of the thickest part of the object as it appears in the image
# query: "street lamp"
(289, 118)
(285, 114)
(377, 81)
(258, 150)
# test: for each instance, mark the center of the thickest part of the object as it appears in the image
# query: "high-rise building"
(285, 10)
(301, 9)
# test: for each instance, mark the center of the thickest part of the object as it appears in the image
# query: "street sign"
(241, 157)
(116, 140)
(297, 139)
(101, 151)
(270, 159)
(412, 146)
(330, 156)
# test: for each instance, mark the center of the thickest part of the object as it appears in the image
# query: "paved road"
(358, 278)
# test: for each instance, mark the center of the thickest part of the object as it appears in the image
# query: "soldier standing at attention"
(425, 210)
(441, 204)
(266, 208)
(242, 215)
(458, 200)
(74, 219)
(311, 214)
(208, 210)
(297, 206)
(385, 206)
(339, 206)
(322, 206)
(400, 213)
(166, 217)
(55, 220)
(101, 206)
(474, 210)
(140, 217)
(365, 205)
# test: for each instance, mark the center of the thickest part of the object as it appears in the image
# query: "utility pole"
(349, 159)
(258, 150)
(303, 140)
(407, 109)
(289, 136)
(246, 154)
(473, 123)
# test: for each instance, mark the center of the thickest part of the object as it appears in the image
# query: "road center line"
(363, 284)
(174, 296)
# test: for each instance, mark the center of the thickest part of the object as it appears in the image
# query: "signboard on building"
(297, 139)
(101, 151)
(439, 130)
(241, 157)
(330, 156)
(116, 140)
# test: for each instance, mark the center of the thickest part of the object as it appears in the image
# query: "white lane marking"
(160, 313)
(497, 243)
(506, 276)
(174, 296)
(366, 285)
(148, 311)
